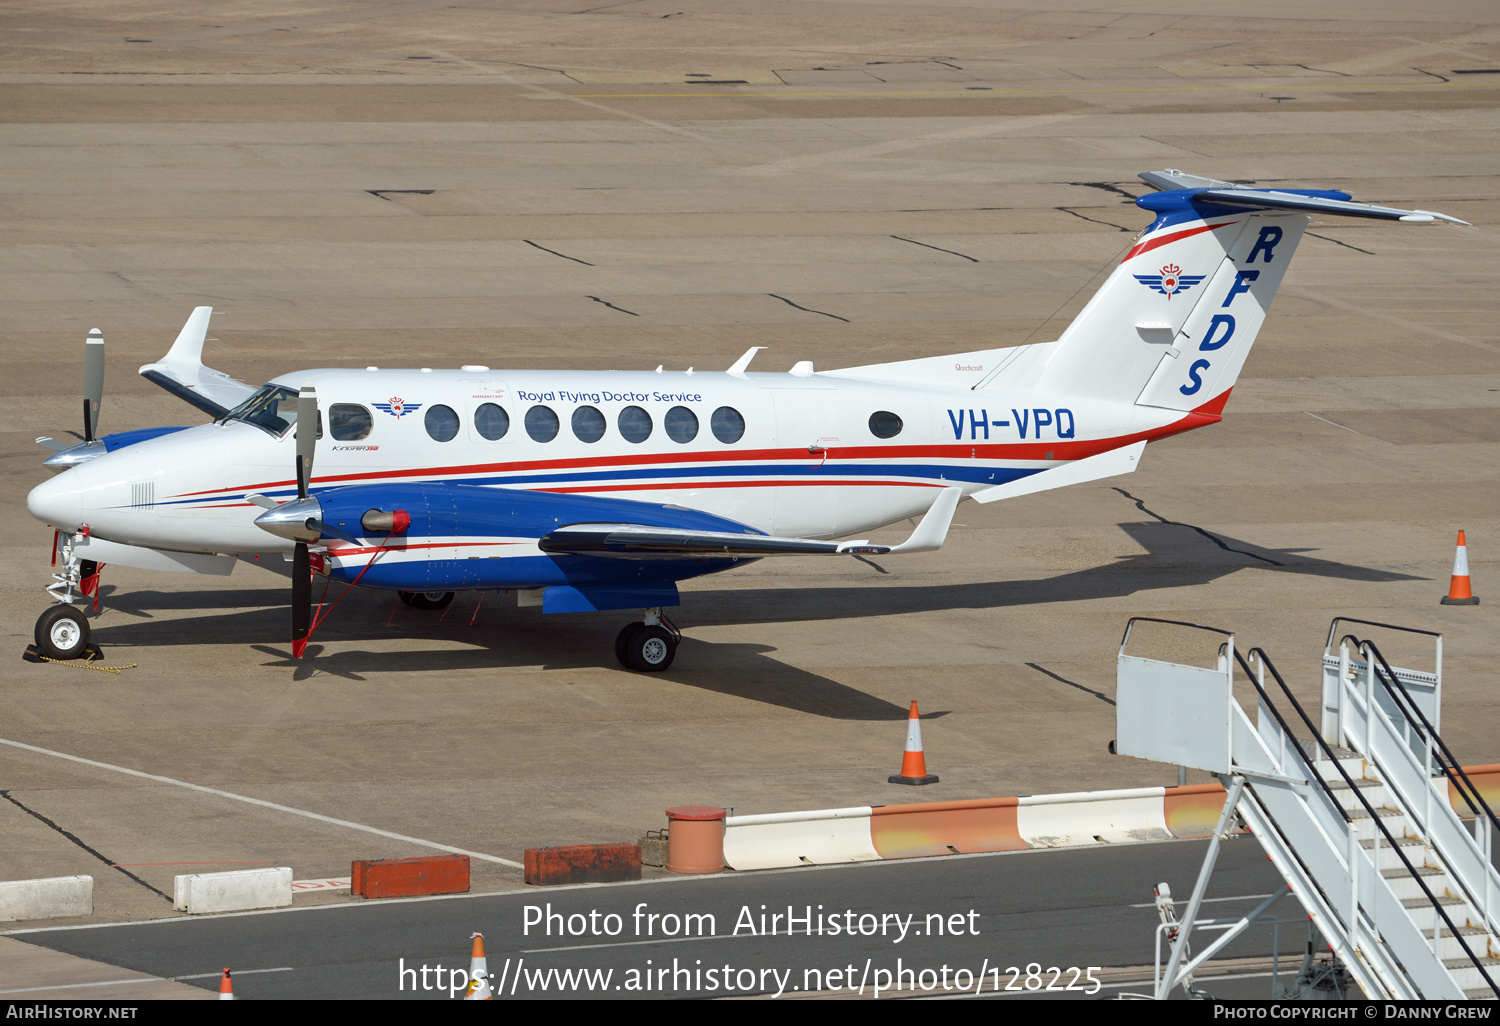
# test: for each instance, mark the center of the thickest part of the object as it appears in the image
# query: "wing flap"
(645, 541)
(642, 541)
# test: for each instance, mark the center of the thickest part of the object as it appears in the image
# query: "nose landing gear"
(650, 645)
(62, 631)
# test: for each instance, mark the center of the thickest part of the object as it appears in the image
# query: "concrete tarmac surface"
(557, 184)
(714, 936)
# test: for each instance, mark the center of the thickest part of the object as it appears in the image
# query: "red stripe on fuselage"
(1061, 451)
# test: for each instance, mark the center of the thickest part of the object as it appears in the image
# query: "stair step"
(1383, 813)
(1480, 994)
(1464, 963)
(1401, 842)
(1400, 873)
(1337, 784)
(1422, 902)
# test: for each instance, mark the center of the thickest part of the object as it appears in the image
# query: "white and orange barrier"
(865, 833)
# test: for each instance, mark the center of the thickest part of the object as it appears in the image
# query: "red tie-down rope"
(403, 521)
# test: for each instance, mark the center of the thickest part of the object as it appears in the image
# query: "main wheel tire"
(622, 643)
(651, 649)
(431, 599)
(62, 632)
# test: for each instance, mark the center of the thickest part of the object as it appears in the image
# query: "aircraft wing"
(645, 541)
(182, 373)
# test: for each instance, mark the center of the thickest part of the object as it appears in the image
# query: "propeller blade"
(301, 599)
(93, 383)
(307, 436)
(263, 501)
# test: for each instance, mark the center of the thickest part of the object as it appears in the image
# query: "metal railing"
(1258, 680)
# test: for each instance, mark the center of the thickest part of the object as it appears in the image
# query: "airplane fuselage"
(785, 454)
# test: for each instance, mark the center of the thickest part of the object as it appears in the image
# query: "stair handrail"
(1265, 660)
(1446, 760)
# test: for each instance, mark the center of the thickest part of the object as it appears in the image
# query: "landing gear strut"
(648, 646)
(62, 631)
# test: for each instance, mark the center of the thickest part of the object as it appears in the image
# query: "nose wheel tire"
(62, 632)
(649, 649)
(427, 599)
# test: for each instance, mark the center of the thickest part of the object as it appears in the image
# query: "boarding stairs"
(1358, 820)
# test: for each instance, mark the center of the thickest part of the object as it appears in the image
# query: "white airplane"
(599, 490)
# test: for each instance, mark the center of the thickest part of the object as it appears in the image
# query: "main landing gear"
(648, 646)
(426, 599)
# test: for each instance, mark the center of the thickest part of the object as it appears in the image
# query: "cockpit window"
(273, 407)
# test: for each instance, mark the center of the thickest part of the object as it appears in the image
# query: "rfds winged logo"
(1170, 281)
(397, 407)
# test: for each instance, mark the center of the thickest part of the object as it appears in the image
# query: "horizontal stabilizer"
(1106, 464)
(182, 373)
(1181, 189)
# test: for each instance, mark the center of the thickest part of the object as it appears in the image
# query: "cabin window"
(441, 423)
(727, 425)
(541, 423)
(884, 424)
(681, 424)
(492, 422)
(588, 424)
(634, 424)
(349, 423)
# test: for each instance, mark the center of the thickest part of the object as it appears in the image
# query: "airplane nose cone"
(58, 502)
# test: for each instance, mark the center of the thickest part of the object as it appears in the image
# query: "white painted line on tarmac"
(145, 979)
(265, 804)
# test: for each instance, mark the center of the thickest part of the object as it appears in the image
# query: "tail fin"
(1173, 324)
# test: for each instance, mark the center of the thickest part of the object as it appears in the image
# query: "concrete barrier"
(49, 898)
(1093, 817)
(945, 828)
(582, 863)
(403, 878)
(199, 893)
(780, 839)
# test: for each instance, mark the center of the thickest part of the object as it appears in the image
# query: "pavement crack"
(386, 194)
(805, 309)
(607, 303)
(940, 249)
(1140, 504)
(555, 253)
(1072, 684)
(1095, 220)
(1107, 187)
(80, 843)
(1336, 242)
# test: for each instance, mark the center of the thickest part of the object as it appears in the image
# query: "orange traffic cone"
(479, 973)
(913, 763)
(1459, 593)
(226, 988)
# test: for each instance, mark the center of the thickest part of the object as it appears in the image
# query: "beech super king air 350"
(587, 491)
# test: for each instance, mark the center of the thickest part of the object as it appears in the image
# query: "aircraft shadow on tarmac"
(498, 636)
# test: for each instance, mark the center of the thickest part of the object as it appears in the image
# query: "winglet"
(187, 351)
(933, 530)
(738, 370)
